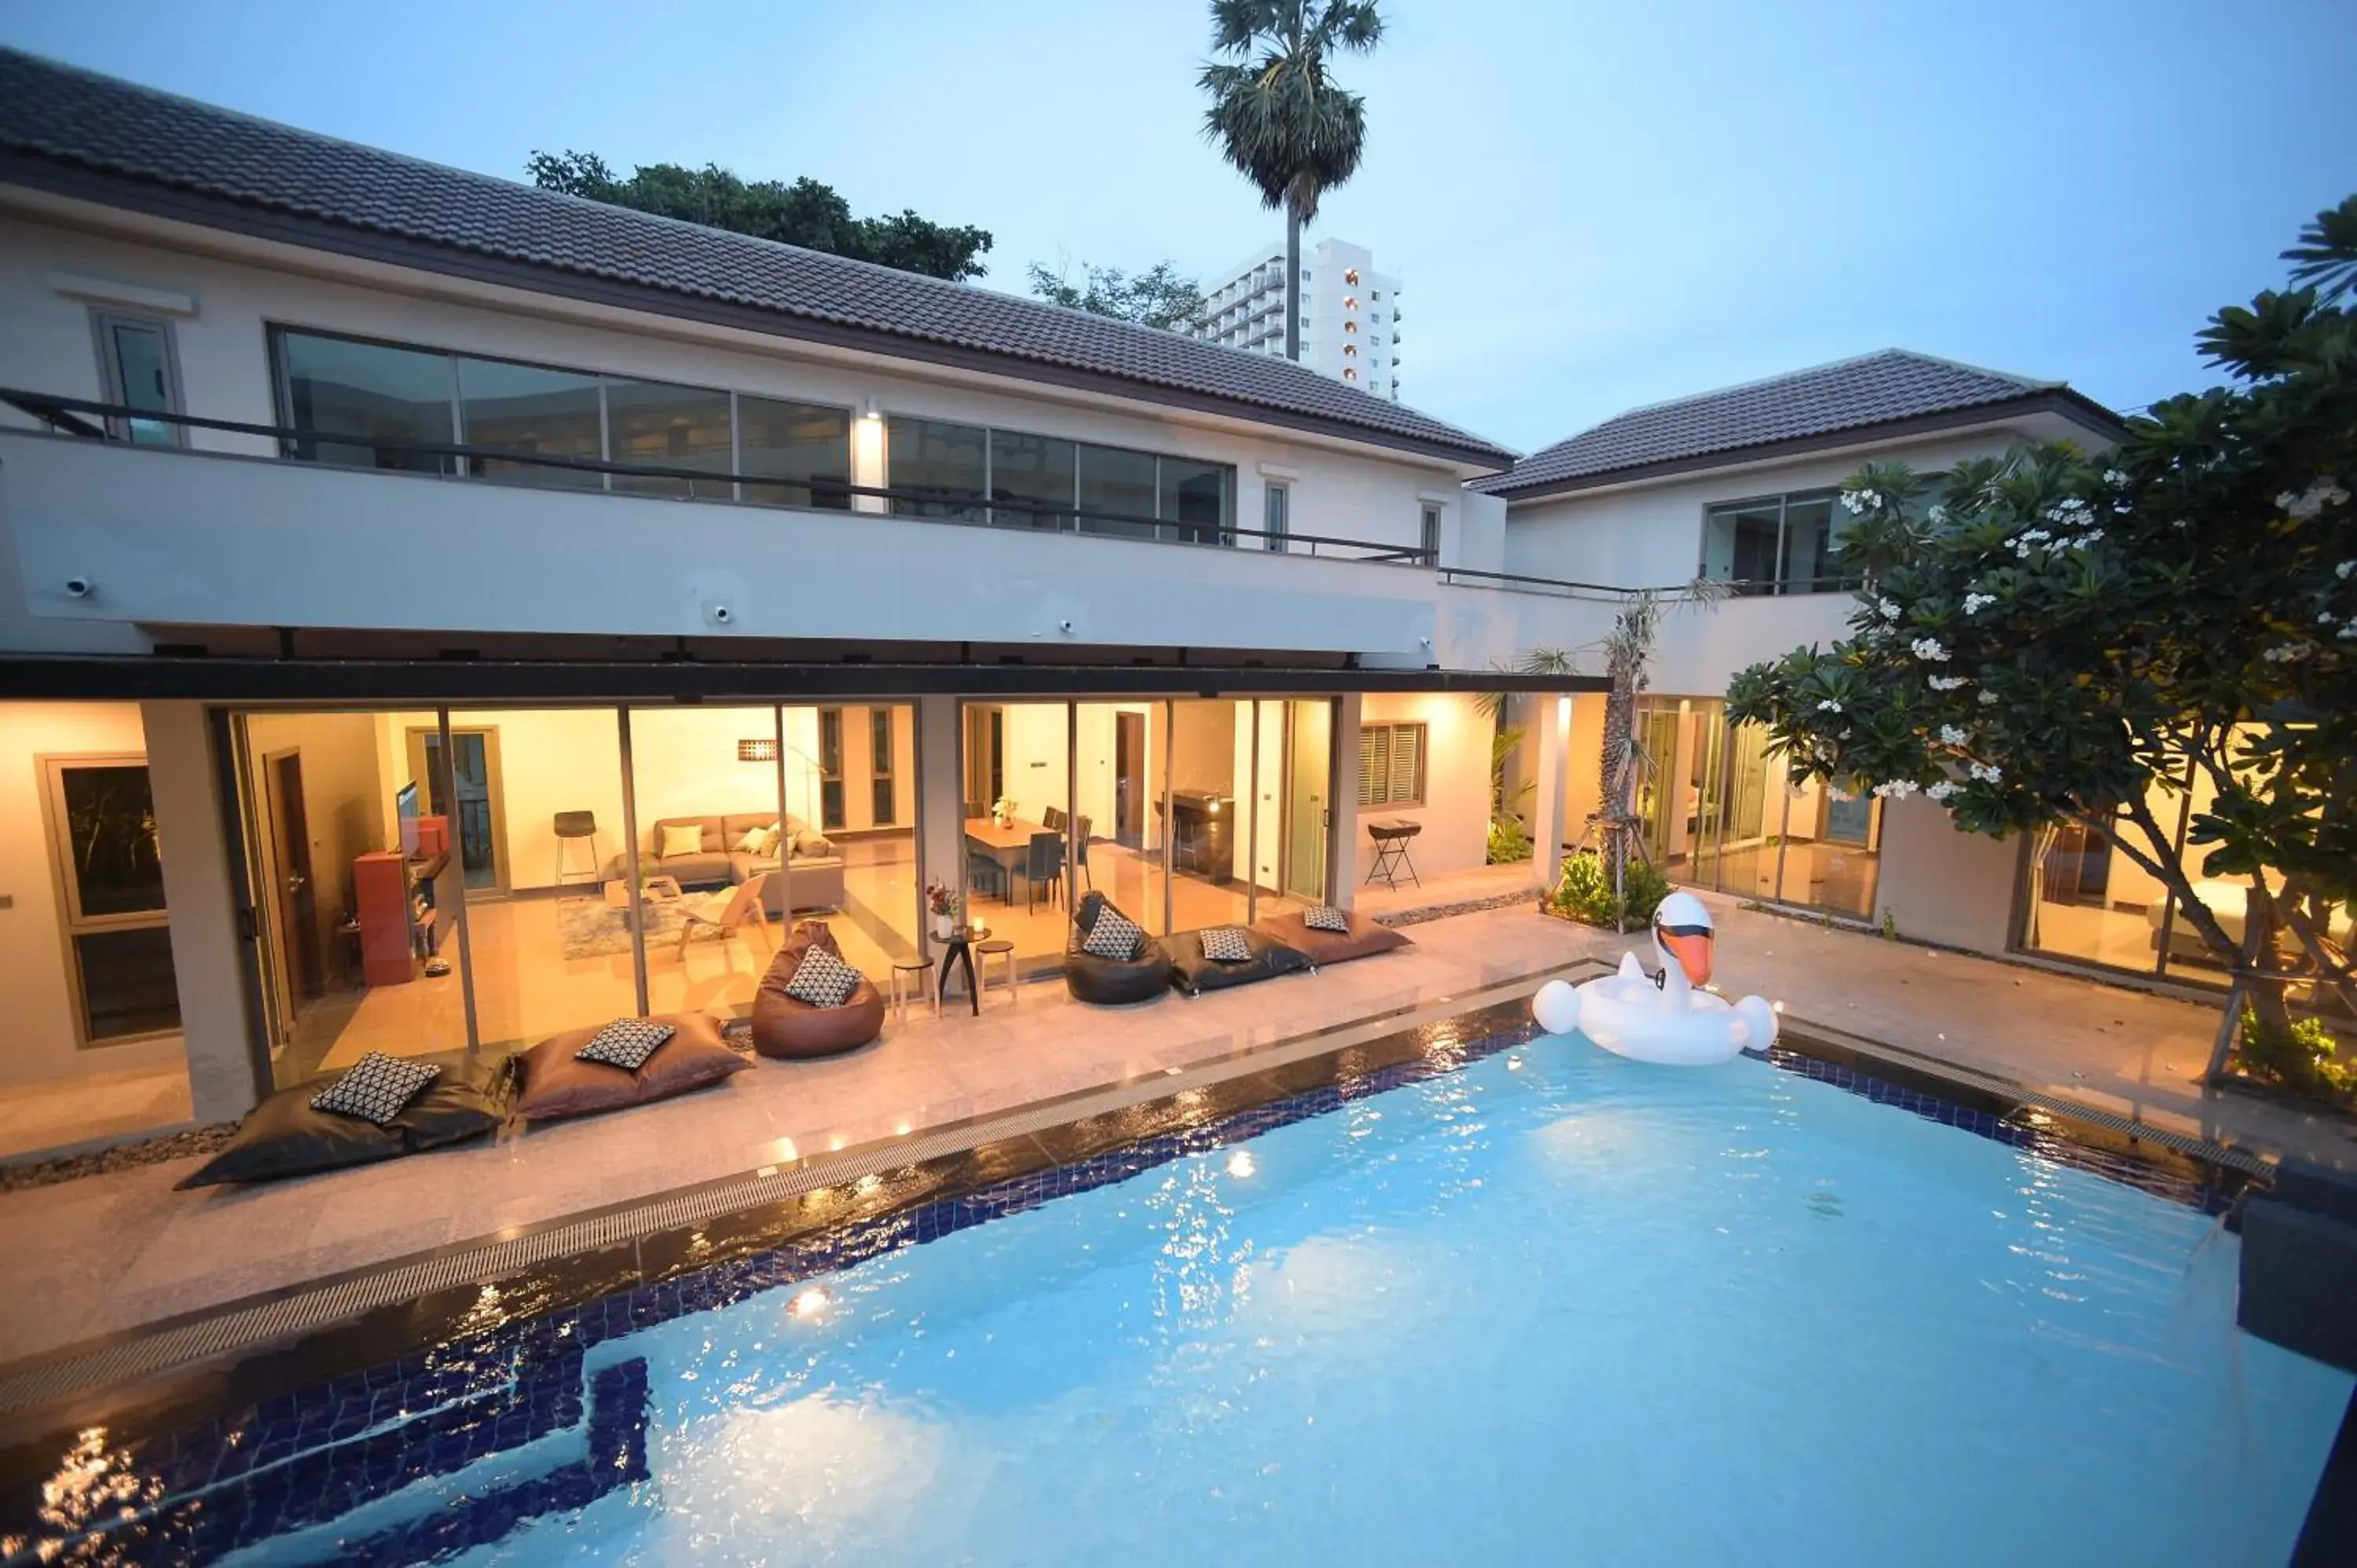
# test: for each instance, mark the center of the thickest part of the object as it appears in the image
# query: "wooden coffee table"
(659, 891)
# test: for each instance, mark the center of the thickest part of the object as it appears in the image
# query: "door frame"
(281, 942)
(414, 750)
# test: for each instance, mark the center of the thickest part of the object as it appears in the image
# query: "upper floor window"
(137, 368)
(1391, 765)
(367, 404)
(1776, 544)
(1428, 535)
(1108, 489)
(1276, 513)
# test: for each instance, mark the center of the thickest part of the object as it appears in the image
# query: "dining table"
(1010, 845)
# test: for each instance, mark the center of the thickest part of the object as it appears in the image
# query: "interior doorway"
(475, 806)
(1309, 767)
(1129, 780)
(296, 890)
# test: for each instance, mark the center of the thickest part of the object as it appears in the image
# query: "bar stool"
(921, 970)
(570, 826)
(991, 949)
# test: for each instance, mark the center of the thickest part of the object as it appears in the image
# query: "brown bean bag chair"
(551, 1083)
(791, 1028)
(1322, 948)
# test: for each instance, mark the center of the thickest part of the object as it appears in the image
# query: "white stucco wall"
(1456, 808)
(262, 548)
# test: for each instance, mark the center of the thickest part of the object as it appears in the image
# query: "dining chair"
(1044, 862)
(983, 869)
(1053, 817)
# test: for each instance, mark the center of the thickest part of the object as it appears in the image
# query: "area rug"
(591, 928)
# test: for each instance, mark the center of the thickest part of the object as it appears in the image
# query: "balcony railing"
(110, 422)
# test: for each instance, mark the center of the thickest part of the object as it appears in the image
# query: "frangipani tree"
(2048, 639)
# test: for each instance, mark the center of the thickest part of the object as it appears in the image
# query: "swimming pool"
(1536, 1304)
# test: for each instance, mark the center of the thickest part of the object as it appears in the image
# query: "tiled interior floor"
(1135, 883)
(527, 989)
(93, 1106)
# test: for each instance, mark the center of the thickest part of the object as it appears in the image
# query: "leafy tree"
(2045, 640)
(1277, 115)
(804, 213)
(1159, 296)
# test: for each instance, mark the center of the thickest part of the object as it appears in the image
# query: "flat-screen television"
(405, 810)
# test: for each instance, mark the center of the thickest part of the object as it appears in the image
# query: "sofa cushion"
(823, 979)
(555, 1083)
(1363, 939)
(376, 1088)
(1226, 944)
(624, 1043)
(284, 1136)
(1114, 935)
(1326, 918)
(1194, 972)
(673, 840)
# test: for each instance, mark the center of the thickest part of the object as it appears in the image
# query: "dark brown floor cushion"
(789, 1028)
(1193, 973)
(283, 1136)
(1322, 948)
(553, 1083)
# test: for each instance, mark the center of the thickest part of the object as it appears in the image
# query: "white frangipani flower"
(2320, 494)
(1950, 682)
(1897, 790)
(1887, 610)
(1952, 735)
(1942, 789)
(1975, 603)
(2115, 478)
(2287, 652)
(2346, 570)
(1928, 648)
(1938, 515)
(2070, 513)
(1828, 705)
(1987, 772)
(1987, 698)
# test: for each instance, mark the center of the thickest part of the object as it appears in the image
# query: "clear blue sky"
(1592, 203)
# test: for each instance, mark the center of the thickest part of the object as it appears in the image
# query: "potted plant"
(1002, 811)
(942, 902)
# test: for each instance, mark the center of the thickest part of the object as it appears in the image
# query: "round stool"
(993, 948)
(920, 969)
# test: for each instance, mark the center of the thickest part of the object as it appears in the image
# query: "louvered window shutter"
(1407, 764)
(1372, 750)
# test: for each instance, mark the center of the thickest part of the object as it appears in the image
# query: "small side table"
(957, 951)
(993, 948)
(916, 969)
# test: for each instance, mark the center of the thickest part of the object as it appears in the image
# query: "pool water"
(1553, 1307)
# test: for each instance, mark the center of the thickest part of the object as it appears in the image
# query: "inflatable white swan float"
(1673, 1021)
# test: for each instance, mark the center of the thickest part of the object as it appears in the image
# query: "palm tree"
(1279, 118)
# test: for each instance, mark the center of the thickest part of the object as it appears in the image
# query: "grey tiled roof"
(1874, 389)
(60, 126)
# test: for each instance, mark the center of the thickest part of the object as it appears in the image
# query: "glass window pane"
(127, 983)
(803, 444)
(110, 827)
(677, 427)
(1014, 867)
(143, 377)
(1120, 482)
(1210, 774)
(1808, 565)
(1195, 496)
(1031, 468)
(1740, 545)
(1275, 506)
(2088, 901)
(364, 390)
(720, 887)
(524, 408)
(1118, 818)
(946, 462)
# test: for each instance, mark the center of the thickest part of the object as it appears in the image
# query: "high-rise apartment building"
(1350, 313)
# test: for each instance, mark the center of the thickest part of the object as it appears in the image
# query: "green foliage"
(2046, 639)
(2300, 1056)
(2327, 254)
(1889, 924)
(804, 213)
(1159, 296)
(1584, 892)
(1510, 841)
(1275, 113)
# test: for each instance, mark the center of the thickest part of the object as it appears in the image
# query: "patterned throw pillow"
(1326, 918)
(376, 1088)
(1115, 936)
(823, 979)
(1226, 944)
(624, 1043)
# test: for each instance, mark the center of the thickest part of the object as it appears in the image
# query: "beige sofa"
(814, 869)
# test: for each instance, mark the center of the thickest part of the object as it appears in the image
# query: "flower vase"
(945, 927)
